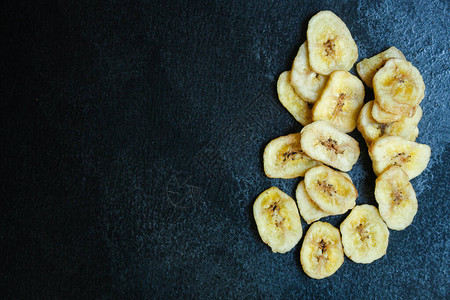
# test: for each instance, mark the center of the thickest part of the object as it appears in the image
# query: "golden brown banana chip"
(369, 66)
(340, 102)
(330, 44)
(396, 198)
(321, 254)
(323, 142)
(330, 190)
(284, 158)
(398, 87)
(365, 237)
(296, 106)
(307, 83)
(277, 219)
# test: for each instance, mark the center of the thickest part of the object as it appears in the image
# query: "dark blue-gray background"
(132, 138)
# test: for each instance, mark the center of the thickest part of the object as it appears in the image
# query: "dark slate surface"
(132, 138)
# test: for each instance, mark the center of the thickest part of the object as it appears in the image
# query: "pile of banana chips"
(321, 94)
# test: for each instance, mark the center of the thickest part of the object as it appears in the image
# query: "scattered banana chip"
(324, 143)
(340, 102)
(382, 116)
(369, 66)
(330, 44)
(365, 236)
(321, 254)
(371, 129)
(284, 158)
(307, 83)
(406, 127)
(398, 87)
(388, 151)
(277, 219)
(308, 208)
(330, 190)
(296, 106)
(396, 198)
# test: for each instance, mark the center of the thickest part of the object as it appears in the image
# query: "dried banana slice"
(308, 208)
(277, 219)
(324, 143)
(382, 116)
(284, 158)
(398, 87)
(330, 44)
(365, 237)
(307, 83)
(369, 66)
(340, 102)
(388, 151)
(330, 190)
(406, 127)
(299, 109)
(396, 198)
(372, 130)
(321, 254)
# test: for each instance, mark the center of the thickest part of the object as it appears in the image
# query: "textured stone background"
(132, 138)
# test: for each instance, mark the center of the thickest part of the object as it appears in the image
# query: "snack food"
(369, 66)
(277, 219)
(372, 130)
(387, 151)
(296, 106)
(365, 236)
(307, 83)
(398, 87)
(284, 158)
(321, 254)
(329, 102)
(330, 44)
(340, 102)
(309, 210)
(396, 198)
(322, 142)
(330, 190)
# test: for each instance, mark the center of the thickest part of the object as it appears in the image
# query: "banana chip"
(396, 198)
(321, 254)
(296, 106)
(308, 208)
(372, 130)
(330, 190)
(284, 158)
(324, 143)
(398, 87)
(340, 102)
(330, 44)
(369, 66)
(277, 219)
(388, 151)
(365, 237)
(307, 83)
